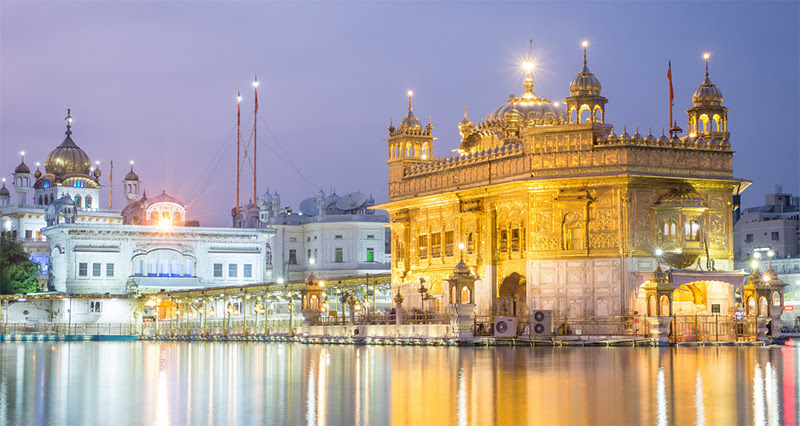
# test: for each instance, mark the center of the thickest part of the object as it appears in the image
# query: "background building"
(773, 228)
(343, 234)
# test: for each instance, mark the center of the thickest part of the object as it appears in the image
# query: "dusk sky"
(155, 82)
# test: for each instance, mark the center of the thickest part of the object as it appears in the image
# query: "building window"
(83, 269)
(775, 236)
(109, 269)
(96, 307)
(503, 241)
(315, 254)
(247, 269)
(338, 237)
(471, 243)
(292, 256)
(339, 255)
(29, 234)
(692, 231)
(77, 201)
(448, 243)
(401, 252)
(233, 271)
(292, 239)
(308, 239)
(370, 255)
(748, 238)
(309, 254)
(422, 244)
(436, 245)
(217, 270)
(87, 202)
(669, 230)
(96, 269)
(515, 240)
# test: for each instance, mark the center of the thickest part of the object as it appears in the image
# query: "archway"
(511, 299)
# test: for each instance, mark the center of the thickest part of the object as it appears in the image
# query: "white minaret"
(321, 203)
(131, 185)
(22, 181)
(5, 196)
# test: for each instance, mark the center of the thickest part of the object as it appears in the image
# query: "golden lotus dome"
(410, 123)
(529, 105)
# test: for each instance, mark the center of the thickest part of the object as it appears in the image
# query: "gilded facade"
(553, 208)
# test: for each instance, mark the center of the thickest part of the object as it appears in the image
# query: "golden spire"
(465, 113)
(585, 45)
(706, 56)
(410, 94)
(68, 118)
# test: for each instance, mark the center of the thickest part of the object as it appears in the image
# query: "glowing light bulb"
(757, 255)
(770, 253)
(238, 99)
(22, 153)
(461, 246)
(280, 280)
(312, 261)
(410, 93)
(659, 252)
(527, 66)
(255, 83)
(585, 43)
(131, 162)
(706, 55)
(322, 283)
(164, 223)
(556, 104)
(754, 264)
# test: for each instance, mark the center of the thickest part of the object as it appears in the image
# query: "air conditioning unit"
(505, 327)
(542, 323)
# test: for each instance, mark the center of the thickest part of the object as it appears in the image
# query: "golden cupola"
(585, 105)
(585, 83)
(708, 118)
(410, 123)
(68, 158)
(529, 106)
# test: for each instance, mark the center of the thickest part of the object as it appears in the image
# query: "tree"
(17, 272)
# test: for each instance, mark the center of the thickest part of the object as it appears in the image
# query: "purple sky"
(155, 82)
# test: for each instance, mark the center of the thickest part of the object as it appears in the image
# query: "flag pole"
(255, 144)
(671, 98)
(238, 147)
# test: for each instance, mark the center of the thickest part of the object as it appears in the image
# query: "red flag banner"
(671, 94)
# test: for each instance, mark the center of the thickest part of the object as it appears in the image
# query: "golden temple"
(556, 211)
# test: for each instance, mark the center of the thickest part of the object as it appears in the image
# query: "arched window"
(470, 243)
(669, 230)
(165, 215)
(188, 268)
(51, 197)
(763, 306)
(691, 230)
(177, 217)
(651, 306)
(87, 202)
(573, 115)
(77, 200)
(465, 294)
(664, 305)
(776, 298)
(598, 114)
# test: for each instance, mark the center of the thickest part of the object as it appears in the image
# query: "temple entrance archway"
(511, 300)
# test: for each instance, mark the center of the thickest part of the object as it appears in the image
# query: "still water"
(281, 383)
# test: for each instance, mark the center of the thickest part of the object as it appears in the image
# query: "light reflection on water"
(245, 383)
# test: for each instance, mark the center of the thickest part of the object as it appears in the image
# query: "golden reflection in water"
(252, 383)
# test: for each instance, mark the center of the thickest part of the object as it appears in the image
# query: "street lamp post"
(423, 295)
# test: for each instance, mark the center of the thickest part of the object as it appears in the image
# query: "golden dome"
(707, 93)
(529, 106)
(585, 83)
(67, 158)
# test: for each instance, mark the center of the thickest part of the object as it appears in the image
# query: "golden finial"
(706, 56)
(410, 94)
(465, 113)
(68, 118)
(585, 44)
